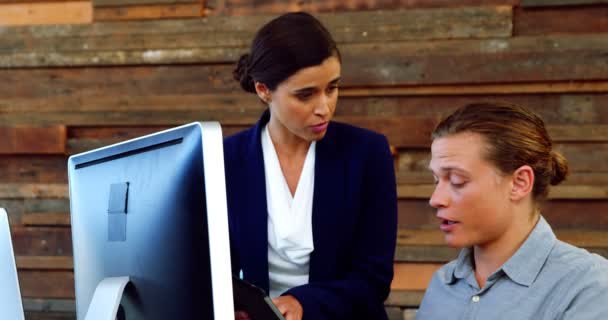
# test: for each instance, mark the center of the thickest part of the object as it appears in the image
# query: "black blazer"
(354, 220)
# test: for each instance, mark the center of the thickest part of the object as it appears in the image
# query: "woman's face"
(471, 196)
(304, 103)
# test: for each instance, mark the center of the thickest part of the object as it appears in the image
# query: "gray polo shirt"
(545, 279)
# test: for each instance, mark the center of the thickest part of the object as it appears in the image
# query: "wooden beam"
(420, 253)
(560, 20)
(553, 3)
(72, 12)
(222, 39)
(40, 206)
(477, 61)
(46, 284)
(560, 87)
(346, 27)
(41, 241)
(50, 305)
(27, 190)
(251, 7)
(46, 219)
(33, 168)
(404, 298)
(115, 3)
(147, 12)
(413, 276)
(44, 263)
(434, 62)
(32, 140)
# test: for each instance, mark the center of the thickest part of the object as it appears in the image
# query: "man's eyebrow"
(449, 169)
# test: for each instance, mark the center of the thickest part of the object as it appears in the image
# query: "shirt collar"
(460, 268)
(523, 267)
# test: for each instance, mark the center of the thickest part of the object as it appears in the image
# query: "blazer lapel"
(327, 209)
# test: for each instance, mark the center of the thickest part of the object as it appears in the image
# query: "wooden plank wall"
(109, 70)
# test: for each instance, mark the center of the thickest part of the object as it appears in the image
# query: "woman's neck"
(491, 256)
(285, 142)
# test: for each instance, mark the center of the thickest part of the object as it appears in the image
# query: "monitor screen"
(154, 209)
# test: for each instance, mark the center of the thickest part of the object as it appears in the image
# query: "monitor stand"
(106, 299)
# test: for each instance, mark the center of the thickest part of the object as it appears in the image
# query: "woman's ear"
(263, 92)
(523, 183)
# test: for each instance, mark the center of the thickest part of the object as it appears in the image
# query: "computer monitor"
(154, 209)
(10, 296)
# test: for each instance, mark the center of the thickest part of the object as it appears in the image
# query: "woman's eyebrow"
(305, 89)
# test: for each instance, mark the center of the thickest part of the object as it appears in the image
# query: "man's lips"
(448, 225)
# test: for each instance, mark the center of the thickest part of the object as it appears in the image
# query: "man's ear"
(523, 183)
(263, 92)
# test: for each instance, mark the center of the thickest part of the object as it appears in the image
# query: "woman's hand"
(241, 315)
(289, 306)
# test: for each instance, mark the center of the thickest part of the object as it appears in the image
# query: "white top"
(289, 220)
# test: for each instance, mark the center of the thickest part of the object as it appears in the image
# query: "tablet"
(254, 301)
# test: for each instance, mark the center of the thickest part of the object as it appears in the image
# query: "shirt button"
(475, 299)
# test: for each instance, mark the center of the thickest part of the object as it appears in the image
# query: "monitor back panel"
(138, 210)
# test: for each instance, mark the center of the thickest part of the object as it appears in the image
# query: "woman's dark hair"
(515, 136)
(283, 46)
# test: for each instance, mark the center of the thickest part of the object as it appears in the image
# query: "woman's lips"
(319, 127)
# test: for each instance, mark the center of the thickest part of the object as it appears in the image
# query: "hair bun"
(241, 74)
(560, 168)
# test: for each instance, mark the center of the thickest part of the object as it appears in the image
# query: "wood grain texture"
(114, 3)
(46, 219)
(425, 63)
(560, 20)
(404, 298)
(27, 190)
(41, 241)
(552, 3)
(46, 13)
(46, 284)
(33, 168)
(413, 276)
(44, 263)
(32, 140)
(50, 305)
(251, 7)
(147, 12)
(221, 39)
(346, 27)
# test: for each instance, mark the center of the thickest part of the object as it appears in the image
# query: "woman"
(493, 165)
(312, 202)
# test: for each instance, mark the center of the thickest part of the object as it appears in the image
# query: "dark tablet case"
(254, 301)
